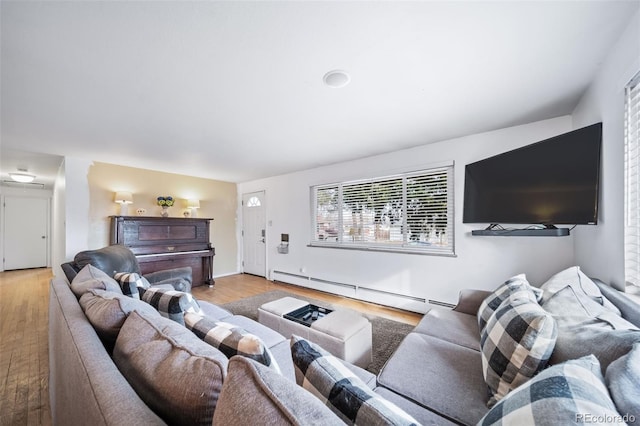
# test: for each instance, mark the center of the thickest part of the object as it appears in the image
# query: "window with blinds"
(409, 212)
(632, 182)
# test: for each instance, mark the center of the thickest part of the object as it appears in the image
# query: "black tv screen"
(551, 182)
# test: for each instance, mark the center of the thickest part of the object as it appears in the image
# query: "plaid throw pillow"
(569, 393)
(516, 344)
(491, 303)
(342, 391)
(130, 282)
(171, 304)
(230, 339)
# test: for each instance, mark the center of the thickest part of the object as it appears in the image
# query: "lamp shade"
(193, 204)
(123, 197)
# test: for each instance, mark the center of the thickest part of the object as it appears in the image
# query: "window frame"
(405, 247)
(632, 182)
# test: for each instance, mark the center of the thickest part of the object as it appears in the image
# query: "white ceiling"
(234, 91)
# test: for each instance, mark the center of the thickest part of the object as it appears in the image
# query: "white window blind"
(632, 182)
(411, 212)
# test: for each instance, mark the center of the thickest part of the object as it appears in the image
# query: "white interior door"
(254, 234)
(25, 233)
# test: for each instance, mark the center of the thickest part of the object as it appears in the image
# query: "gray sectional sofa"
(435, 375)
(437, 369)
(87, 387)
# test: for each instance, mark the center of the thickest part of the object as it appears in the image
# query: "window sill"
(400, 250)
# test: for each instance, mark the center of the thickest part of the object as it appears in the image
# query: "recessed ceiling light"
(336, 78)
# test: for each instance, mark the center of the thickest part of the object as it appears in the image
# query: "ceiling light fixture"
(22, 177)
(336, 79)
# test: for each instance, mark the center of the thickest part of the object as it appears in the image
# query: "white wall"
(600, 249)
(481, 262)
(70, 206)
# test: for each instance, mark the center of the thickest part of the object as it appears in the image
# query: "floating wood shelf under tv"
(544, 232)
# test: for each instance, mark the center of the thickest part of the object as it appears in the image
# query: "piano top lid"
(159, 218)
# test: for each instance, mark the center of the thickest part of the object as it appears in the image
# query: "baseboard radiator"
(382, 297)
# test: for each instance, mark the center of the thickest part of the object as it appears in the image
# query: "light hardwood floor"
(24, 362)
(24, 358)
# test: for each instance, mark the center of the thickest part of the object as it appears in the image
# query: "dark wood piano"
(167, 242)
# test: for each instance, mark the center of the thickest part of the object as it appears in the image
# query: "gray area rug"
(387, 334)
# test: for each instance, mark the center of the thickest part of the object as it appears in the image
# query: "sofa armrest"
(179, 278)
(469, 301)
(179, 284)
(630, 309)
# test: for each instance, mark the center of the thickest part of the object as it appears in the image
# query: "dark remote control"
(314, 316)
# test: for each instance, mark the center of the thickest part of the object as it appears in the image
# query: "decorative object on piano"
(187, 213)
(165, 202)
(193, 205)
(124, 198)
(141, 212)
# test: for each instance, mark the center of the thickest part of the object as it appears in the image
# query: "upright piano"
(167, 242)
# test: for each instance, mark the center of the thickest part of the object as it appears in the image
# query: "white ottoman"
(344, 333)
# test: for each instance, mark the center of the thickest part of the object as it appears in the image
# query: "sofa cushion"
(586, 290)
(214, 311)
(107, 311)
(623, 381)
(438, 375)
(568, 393)
(516, 344)
(254, 394)
(171, 304)
(423, 415)
(452, 326)
(91, 277)
(340, 389)
(495, 299)
(175, 373)
(231, 340)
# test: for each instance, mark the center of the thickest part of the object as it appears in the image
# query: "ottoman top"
(341, 324)
(283, 306)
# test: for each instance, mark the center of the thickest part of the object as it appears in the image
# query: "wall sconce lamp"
(123, 198)
(193, 205)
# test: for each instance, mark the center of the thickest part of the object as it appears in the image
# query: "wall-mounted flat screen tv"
(551, 182)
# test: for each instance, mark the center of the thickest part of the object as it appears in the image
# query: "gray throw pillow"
(516, 344)
(586, 290)
(341, 390)
(107, 311)
(254, 394)
(91, 277)
(585, 327)
(572, 393)
(176, 374)
(623, 380)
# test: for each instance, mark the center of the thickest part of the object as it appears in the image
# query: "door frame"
(266, 233)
